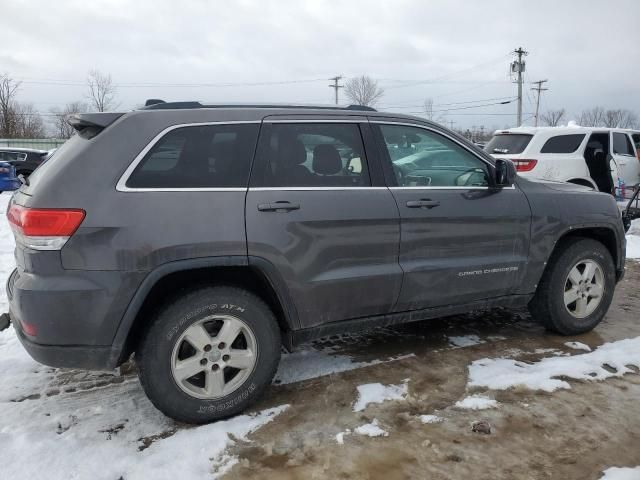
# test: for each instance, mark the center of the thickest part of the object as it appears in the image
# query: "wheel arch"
(166, 280)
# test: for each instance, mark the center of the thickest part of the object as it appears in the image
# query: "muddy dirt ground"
(568, 434)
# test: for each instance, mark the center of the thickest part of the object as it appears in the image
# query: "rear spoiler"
(88, 125)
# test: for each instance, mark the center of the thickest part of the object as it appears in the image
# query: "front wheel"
(576, 290)
(209, 354)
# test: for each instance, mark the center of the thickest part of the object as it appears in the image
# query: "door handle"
(423, 203)
(280, 206)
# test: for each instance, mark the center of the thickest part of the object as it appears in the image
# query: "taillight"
(44, 228)
(524, 165)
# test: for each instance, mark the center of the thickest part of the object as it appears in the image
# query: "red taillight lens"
(524, 165)
(43, 228)
(45, 222)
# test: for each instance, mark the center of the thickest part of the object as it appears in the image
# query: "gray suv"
(204, 238)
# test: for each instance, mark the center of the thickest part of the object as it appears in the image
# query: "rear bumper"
(67, 356)
(69, 319)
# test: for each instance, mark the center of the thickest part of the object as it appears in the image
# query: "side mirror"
(505, 172)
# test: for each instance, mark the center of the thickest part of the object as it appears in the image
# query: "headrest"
(292, 151)
(326, 160)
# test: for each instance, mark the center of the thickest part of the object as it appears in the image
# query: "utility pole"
(518, 67)
(539, 89)
(335, 85)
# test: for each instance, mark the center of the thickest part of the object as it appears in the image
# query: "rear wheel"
(209, 354)
(576, 290)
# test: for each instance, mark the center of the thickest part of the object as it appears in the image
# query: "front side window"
(562, 144)
(315, 155)
(622, 144)
(207, 156)
(422, 158)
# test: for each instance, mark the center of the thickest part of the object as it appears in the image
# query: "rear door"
(318, 213)
(461, 239)
(623, 153)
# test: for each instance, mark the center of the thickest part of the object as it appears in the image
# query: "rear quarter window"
(508, 143)
(563, 144)
(622, 144)
(203, 156)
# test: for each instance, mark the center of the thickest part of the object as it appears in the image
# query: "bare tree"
(620, 118)
(8, 119)
(430, 114)
(592, 118)
(102, 91)
(29, 122)
(552, 118)
(363, 90)
(60, 116)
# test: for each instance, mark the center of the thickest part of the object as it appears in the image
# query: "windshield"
(505, 143)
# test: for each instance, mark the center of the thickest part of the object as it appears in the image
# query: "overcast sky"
(451, 51)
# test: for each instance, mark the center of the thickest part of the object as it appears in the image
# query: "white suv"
(601, 158)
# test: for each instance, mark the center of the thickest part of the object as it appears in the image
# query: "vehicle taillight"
(43, 228)
(524, 165)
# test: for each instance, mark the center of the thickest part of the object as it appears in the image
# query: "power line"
(452, 103)
(76, 83)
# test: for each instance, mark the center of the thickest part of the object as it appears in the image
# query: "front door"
(461, 238)
(314, 214)
(624, 155)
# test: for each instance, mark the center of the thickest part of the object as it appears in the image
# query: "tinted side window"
(622, 144)
(422, 158)
(562, 144)
(315, 155)
(208, 156)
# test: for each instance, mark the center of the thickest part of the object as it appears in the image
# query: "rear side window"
(314, 155)
(207, 156)
(562, 144)
(622, 144)
(505, 143)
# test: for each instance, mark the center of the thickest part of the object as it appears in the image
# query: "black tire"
(548, 305)
(154, 355)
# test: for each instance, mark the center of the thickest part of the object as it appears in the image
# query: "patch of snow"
(578, 346)
(378, 393)
(503, 373)
(371, 429)
(340, 436)
(308, 363)
(477, 402)
(621, 473)
(465, 341)
(633, 240)
(431, 419)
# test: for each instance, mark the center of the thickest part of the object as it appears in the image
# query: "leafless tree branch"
(363, 90)
(102, 92)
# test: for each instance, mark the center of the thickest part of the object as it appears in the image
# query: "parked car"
(202, 239)
(8, 179)
(600, 158)
(25, 160)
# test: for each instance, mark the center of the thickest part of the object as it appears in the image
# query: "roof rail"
(157, 104)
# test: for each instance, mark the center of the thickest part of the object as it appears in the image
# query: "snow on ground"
(633, 240)
(307, 363)
(340, 436)
(371, 429)
(465, 341)
(431, 419)
(378, 393)
(609, 360)
(477, 402)
(618, 473)
(578, 346)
